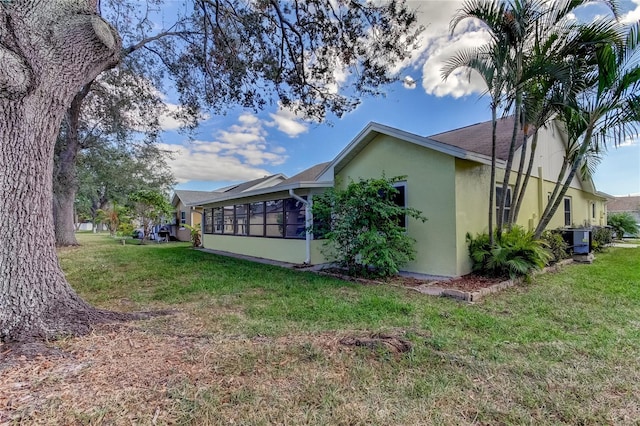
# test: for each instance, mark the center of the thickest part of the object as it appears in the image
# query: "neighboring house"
(629, 204)
(447, 178)
(188, 204)
(187, 211)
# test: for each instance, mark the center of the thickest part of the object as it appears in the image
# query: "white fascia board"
(269, 190)
(266, 183)
(374, 129)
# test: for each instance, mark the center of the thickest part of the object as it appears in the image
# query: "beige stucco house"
(447, 178)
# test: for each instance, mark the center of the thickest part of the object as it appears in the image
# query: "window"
(218, 221)
(276, 218)
(400, 198)
(593, 210)
(240, 222)
(274, 215)
(183, 217)
(567, 211)
(294, 218)
(256, 219)
(227, 218)
(208, 221)
(507, 203)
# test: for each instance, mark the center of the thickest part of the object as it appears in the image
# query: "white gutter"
(308, 216)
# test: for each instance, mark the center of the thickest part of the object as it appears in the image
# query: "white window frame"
(564, 211)
(507, 208)
(398, 185)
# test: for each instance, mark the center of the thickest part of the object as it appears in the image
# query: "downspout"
(308, 216)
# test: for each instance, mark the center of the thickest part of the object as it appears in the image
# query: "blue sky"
(242, 145)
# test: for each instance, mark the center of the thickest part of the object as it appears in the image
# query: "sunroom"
(267, 223)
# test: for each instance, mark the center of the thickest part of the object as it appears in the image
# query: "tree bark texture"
(49, 50)
(65, 179)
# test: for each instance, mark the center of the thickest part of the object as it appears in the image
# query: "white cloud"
(192, 163)
(633, 15)
(168, 118)
(630, 142)
(408, 82)
(237, 153)
(458, 83)
(287, 122)
(437, 45)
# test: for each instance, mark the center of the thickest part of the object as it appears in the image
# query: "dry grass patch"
(161, 372)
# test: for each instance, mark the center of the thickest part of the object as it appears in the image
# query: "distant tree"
(623, 223)
(113, 216)
(109, 172)
(112, 110)
(149, 208)
(229, 51)
(364, 226)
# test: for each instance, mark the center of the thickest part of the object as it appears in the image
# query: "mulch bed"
(471, 282)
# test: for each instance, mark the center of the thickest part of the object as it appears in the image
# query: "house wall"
(182, 233)
(280, 249)
(472, 206)
(430, 188)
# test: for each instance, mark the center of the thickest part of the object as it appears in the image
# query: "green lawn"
(564, 349)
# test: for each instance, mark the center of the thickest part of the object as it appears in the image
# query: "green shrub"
(195, 235)
(623, 223)
(601, 237)
(362, 225)
(125, 229)
(558, 247)
(515, 254)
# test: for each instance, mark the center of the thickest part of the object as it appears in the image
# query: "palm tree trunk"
(507, 171)
(513, 215)
(551, 209)
(492, 179)
(527, 175)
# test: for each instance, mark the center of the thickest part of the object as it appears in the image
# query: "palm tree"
(609, 109)
(529, 68)
(488, 62)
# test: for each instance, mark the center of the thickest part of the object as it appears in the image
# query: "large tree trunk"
(49, 50)
(63, 217)
(65, 179)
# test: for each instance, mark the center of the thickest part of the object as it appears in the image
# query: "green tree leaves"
(364, 226)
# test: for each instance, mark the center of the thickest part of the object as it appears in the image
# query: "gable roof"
(190, 198)
(194, 198)
(624, 204)
(306, 179)
(477, 138)
(309, 175)
(262, 182)
(372, 130)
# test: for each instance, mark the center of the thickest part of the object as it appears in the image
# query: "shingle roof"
(193, 197)
(308, 175)
(246, 185)
(477, 138)
(624, 204)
